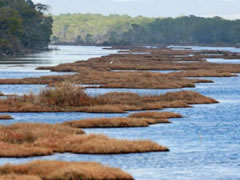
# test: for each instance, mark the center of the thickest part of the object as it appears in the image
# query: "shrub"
(65, 94)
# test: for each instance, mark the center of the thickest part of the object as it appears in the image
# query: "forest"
(96, 29)
(23, 26)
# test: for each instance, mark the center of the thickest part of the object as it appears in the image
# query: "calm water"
(199, 48)
(223, 61)
(205, 144)
(156, 71)
(64, 54)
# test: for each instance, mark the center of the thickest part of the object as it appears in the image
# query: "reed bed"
(57, 170)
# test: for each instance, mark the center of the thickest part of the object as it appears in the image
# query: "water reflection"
(63, 54)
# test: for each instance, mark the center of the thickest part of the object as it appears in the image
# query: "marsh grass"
(155, 115)
(68, 99)
(57, 170)
(143, 119)
(27, 140)
(113, 122)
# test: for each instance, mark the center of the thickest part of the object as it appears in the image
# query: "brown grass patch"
(53, 170)
(26, 140)
(113, 122)
(5, 117)
(143, 119)
(156, 115)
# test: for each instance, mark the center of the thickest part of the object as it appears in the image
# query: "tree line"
(23, 26)
(96, 29)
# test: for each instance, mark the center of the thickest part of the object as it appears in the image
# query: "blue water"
(156, 71)
(64, 54)
(200, 48)
(205, 144)
(21, 75)
(20, 89)
(53, 118)
(223, 61)
(100, 91)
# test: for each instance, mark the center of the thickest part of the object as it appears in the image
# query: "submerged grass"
(57, 170)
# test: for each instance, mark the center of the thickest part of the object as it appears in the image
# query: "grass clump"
(65, 94)
(57, 170)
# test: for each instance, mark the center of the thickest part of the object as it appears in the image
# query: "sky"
(229, 9)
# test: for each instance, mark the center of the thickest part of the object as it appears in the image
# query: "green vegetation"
(23, 26)
(92, 28)
(125, 30)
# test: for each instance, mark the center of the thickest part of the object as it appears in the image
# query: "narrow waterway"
(205, 144)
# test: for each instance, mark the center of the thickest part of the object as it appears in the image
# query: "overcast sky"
(152, 8)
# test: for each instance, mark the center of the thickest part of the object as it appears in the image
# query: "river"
(205, 144)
